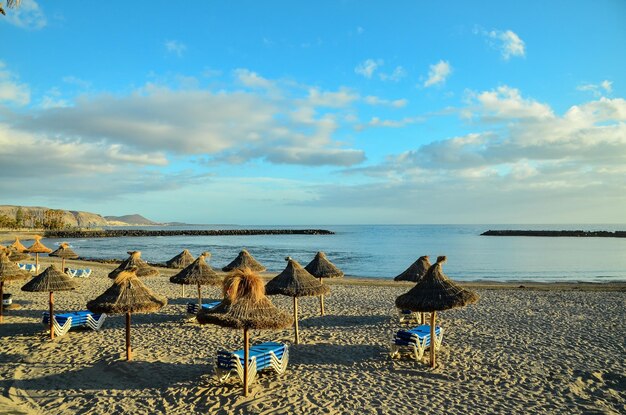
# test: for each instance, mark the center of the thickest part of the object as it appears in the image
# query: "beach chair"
(270, 355)
(193, 308)
(79, 273)
(34, 268)
(415, 341)
(64, 322)
(7, 299)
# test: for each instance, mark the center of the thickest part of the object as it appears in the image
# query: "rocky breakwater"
(117, 233)
(575, 234)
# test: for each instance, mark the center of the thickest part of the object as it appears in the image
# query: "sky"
(317, 112)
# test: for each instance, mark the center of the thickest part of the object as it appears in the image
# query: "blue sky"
(323, 112)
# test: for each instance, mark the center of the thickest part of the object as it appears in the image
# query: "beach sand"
(557, 349)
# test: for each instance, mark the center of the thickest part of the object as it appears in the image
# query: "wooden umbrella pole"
(199, 298)
(321, 301)
(295, 318)
(129, 351)
(51, 319)
(36, 263)
(246, 356)
(183, 289)
(1, 299)
(432, 339)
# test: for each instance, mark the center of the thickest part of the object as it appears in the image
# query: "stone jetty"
(575, 234)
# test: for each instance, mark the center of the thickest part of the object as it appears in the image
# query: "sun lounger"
(64, 322)
(7, 299)
(34, 268)
(78, 273)
(193, 308)
(269, 355)
(415, 340)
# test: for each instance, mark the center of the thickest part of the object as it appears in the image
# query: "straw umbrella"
(15, 256)
(246, 307)
(416, 271)
(180, 261)
(17, 245)
(38, 248)
(198, 272)
(127, 295)
(51, 280)
(295, 282)
(9, 272)
(64, 252)
(244, 260)
(321, 267)
(134, 260)
(435, 292)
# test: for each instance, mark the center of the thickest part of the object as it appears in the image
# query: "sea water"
(384, 251)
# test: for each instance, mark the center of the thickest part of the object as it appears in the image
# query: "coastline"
(342, 364)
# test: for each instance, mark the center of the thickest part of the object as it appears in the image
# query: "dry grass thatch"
(51, 280)
(14, 256)
(199, 272)
(17, 245)
(180, 261)
(128, 294)
(135, 261)
(37, 247)
(435, 292)
(321, 267)
(9, 271)
(245, 305)
(295, 281)
(416, 271)
(64, 251)
(244, 260)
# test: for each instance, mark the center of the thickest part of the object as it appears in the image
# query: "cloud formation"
(438, 73)
(604, 87)
(368, 67)
(507, 41)
(11, 90)
(175, 47)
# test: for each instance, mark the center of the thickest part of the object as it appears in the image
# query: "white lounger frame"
(416, 349)
(277, 365)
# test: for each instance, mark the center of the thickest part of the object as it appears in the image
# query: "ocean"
(384, 251)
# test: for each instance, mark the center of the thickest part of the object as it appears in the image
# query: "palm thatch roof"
(244, 260)
(435, 292)
(182, 260)
(37, 247)
(17, 245)
(9, 271)
(321, 267)
(128, 294)
(134, 260)
(198, 272)
(64, 251)
(15, 256)
(295, 281)
(51, 280)
(416, 271)
(245, 305)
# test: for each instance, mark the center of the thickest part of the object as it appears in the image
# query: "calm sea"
(383, 251)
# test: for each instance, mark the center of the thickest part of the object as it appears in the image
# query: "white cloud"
(597, 90)
(507, 41)
(398, 73)
(505, 102)
(27, 16)
(11, 90)
(438, 73)
(368, 67)
(331, 99)
(397, 103)
(175, 47)
(252, 79)
(73, 80)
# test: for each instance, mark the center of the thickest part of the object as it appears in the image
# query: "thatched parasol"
(295, 282)
(198, 272)
(435, 292)
(416, 271)
(320, 268)
(51, 280)
(134, 260)
(15, 256)
(180, 261)
(246, 307)
(17, 245)
(127, 295)
(64, 252)
(244, 260)
(38, 248)
(9, 271)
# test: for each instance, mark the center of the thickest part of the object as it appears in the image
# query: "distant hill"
(135, 219)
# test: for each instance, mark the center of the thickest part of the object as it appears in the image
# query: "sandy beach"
(543, 348)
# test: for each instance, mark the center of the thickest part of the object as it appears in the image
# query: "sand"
(538, 349)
